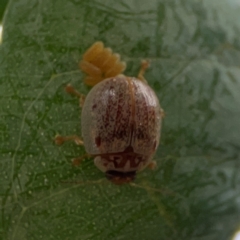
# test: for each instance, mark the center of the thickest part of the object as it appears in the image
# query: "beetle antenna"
(101, 180)
(164, 191)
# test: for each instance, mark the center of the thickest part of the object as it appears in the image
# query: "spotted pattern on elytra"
(110, 119)
(124, 120)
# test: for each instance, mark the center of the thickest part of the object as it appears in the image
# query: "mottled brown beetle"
(121, 116)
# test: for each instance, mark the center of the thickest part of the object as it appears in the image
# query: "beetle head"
(120, 177)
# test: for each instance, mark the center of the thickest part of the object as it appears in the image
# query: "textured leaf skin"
(3, 5)
(194, 49)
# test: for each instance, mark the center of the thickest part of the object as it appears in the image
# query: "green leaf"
(3, 5)
(194, 49)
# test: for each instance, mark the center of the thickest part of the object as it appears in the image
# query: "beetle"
(121, 116)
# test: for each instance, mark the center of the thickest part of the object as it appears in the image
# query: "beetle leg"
(71, 90)
(152, 165)
(162, 113)
(144, 65)
(59, 140)
(77, 161)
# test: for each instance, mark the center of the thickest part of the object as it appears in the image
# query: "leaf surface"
(194, 49)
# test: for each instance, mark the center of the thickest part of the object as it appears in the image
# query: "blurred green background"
(3, 4)
(194, 49)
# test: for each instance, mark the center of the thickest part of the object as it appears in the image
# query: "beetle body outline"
(121, 116)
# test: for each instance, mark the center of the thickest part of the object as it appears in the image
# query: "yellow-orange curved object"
(100, 63)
